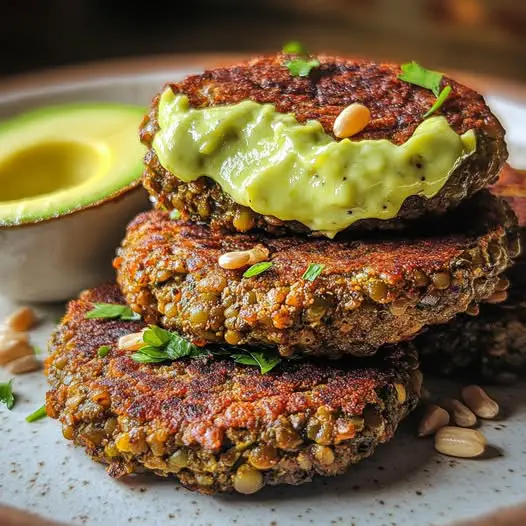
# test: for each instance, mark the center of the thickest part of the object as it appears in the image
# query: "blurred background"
(481, 36)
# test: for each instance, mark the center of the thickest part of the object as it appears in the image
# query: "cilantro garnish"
(299, 67)
(112, 311)
(103, 351)
(6, 394)
(425, 78)
(162, 345)
(37, 415)
(175, 214)
(264, 361)
(313, 271)
(257, 269)
(442, 96)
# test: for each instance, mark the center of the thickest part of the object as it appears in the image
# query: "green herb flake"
(443, 95)
(178, 347)
(294, 48)
(37, 350)
(103, 351)
(37, 415)
(148, 355)
(257, 269)
(156, 336)
(175, 214)
(244, 359)
(164, 346)
(313, 271)
(112, 311)
(264, 361)
(415, 74)
(6, 394)
(300, 67)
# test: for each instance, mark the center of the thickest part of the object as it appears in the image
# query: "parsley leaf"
(415, 74)
(264, 361)
(443, 95)
(6, 394)
(175, 214)
(103, 351)
(178, 347)
(294, 48)
(245, 359)
(299, 67)
(313, 271)
(37, 415)
(163, 346)
(149, 354)
(257, 269)
(156, 336)
(112, 311)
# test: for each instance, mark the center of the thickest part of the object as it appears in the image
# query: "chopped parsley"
(175, 214)
(37, 350)
(300, 67)
(161, 345)
(257, 269)
(112, 311)
(263, 360)
(294, 48)
(442, 96)
(6, 394)
(425, 78)
(103, 351)
(37, 415)
(313, 271)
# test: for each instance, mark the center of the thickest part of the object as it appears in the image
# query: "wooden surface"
(11, 517)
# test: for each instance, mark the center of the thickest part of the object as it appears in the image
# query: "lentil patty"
(216, 425)
(396, 107)
(490, 347)
(371, 292)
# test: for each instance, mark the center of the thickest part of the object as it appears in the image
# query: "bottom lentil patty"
(213, 424)
(374, 291)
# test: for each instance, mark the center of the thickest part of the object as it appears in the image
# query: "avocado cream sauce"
(271, 163)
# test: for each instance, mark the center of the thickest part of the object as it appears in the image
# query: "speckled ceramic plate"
(404, 483)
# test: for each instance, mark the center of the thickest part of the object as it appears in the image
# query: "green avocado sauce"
(271, 163)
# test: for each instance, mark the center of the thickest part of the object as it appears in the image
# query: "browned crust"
(134, 416)
(397, 108)
(371, 292)
(490, 347)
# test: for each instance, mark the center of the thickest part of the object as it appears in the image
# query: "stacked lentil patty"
(348, 373)
(491, 346)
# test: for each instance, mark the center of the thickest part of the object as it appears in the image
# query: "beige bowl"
(53, 259)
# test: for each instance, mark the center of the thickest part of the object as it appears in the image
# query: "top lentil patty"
(396, 106)
(371, 292)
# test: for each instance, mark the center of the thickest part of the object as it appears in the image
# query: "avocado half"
(69, 183)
